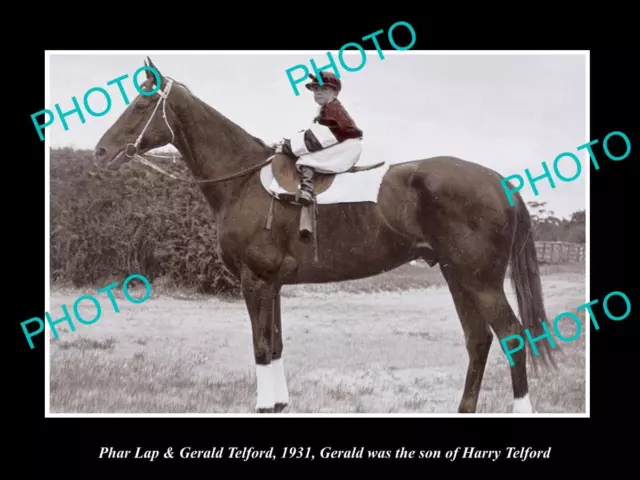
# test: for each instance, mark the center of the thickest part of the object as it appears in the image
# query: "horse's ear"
(149, 72)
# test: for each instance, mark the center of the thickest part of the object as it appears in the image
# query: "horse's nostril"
(99, 153)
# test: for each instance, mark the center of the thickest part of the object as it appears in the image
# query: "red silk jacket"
(335, 117)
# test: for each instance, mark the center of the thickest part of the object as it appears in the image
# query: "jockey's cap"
(329, 79)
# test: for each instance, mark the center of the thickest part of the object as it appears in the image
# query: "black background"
(69, 446)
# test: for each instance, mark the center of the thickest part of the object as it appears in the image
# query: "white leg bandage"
(522, 405)
(264, 383)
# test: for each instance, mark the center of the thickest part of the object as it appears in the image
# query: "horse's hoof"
(264, 410)
(279, 407)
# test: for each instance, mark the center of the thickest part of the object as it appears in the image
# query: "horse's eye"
(139, 107)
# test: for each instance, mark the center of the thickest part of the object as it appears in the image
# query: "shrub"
(107, 225)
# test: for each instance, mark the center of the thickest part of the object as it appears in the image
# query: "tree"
(547, 227)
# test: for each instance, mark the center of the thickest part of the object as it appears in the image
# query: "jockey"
(332, 144)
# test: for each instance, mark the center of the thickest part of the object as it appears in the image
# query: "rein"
(164, 94)
(149, 164)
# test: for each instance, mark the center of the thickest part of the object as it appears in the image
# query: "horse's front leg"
(259, 296)
(281, 390)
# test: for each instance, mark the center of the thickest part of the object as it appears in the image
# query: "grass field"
(387, 344)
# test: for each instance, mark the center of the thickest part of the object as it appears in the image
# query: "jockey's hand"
(280, 145)
(286, 147)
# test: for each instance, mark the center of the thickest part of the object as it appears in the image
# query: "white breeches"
(336, 159)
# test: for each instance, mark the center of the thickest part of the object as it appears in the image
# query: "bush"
(107, 225)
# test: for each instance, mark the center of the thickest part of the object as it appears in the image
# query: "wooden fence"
(560, 252)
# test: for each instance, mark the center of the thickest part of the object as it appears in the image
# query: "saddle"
(285, 172)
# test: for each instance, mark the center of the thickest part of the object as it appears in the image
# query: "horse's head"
(145, 124)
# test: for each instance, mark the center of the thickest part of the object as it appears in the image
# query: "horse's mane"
(213, 111)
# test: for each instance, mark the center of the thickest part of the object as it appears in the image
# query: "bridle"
(163, 96)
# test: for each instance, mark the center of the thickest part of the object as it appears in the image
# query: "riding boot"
(306, 191)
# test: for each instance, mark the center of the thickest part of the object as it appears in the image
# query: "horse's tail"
(526, 281)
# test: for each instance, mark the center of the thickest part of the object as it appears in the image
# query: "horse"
(445, 210)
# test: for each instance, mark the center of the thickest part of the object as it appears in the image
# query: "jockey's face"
(323, 95)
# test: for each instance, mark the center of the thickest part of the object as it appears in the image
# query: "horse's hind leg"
(482, 306)
(499, 314)
(478, 338)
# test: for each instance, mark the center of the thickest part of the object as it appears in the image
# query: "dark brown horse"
(442, 209)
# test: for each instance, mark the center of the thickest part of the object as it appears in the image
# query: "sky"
(507, 112)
